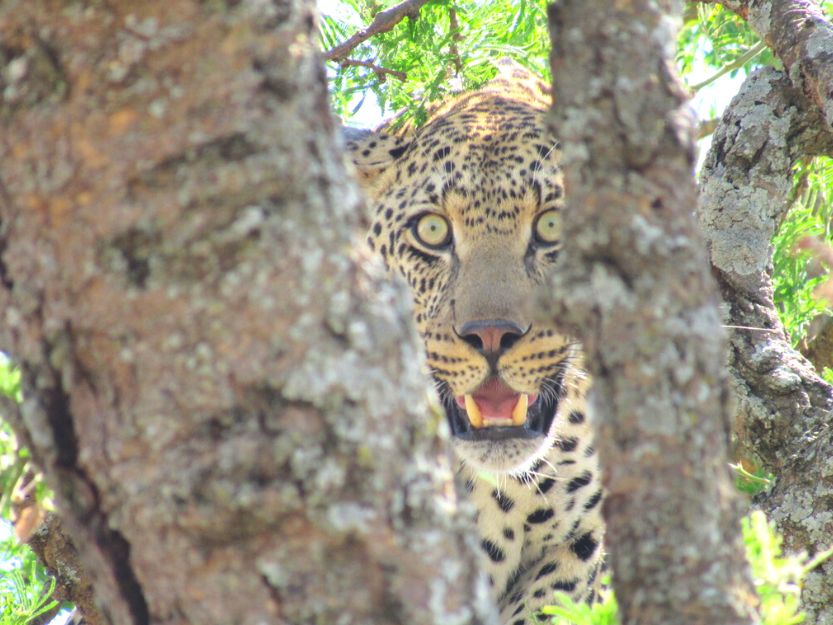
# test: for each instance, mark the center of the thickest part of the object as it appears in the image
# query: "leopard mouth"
(494, 412)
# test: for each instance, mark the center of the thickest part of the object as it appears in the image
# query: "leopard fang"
(473, 410)
(519, 412)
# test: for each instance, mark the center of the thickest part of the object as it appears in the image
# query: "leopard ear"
(372, 153)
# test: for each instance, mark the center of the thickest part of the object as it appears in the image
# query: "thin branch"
(739, 62)
(706, 127)
(381, 72)
(383, 22)
(454, 26)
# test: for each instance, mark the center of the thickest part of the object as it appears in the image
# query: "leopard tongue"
(483, 412)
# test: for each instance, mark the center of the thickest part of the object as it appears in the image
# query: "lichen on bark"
(221, 394)
(782, 414)
(633, 283)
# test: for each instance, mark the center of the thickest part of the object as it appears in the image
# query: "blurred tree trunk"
(228, 406)
(634, 284)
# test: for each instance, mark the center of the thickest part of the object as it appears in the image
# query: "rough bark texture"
(634, 283)
(59, 555)
(229, 407)
(784, 417)
(800, 36)
(783, 414)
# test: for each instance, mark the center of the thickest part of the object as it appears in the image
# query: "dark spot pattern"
(593, 501)
(541, 515)
(488, 165)
(503, 502)
(585, 546)
(495, 553)
(546, 570)
(579, 482)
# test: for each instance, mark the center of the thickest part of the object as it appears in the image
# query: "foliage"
(777, 581)
(567, 612)
(751, 482)
(719, 41)
(716, 38)
(452, 47)
(25, 586)
(437, 58)
(777, 578)
(796, 275)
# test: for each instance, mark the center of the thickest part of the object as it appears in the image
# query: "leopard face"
(468, 209)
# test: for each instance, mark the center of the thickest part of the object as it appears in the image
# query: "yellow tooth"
(473, 411)
(519, 411)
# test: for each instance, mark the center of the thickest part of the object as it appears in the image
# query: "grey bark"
(228, 405)
(785, 409)
(802, 38)
(634, 284)
(783, 415)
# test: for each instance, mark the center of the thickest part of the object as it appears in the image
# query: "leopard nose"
(491, 337)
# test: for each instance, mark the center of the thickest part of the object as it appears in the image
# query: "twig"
(739, 62)
(381, 72)
(454, 26)
(383, 22)
(706, 127)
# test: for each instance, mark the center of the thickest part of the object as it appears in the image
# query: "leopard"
(468, 209)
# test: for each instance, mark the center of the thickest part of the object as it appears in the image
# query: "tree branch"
(782, 418)
(58, 553)
(383, 22)
(801, 37)
(739, 62)
(454, 27)
(381, 72)
(705, 128)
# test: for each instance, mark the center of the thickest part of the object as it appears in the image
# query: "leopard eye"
(547, 227)
(433, 230)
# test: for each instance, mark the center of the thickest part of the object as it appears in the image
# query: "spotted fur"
(487, 164)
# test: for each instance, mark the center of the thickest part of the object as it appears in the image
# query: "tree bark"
(229, 407)
(802, 38)
(783, 416)
(634, 284)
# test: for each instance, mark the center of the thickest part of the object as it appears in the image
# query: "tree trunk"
(229, 407)
(634, 283)
(782, 421)
(785, 409)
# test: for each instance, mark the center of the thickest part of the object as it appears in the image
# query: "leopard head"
(468, 209)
